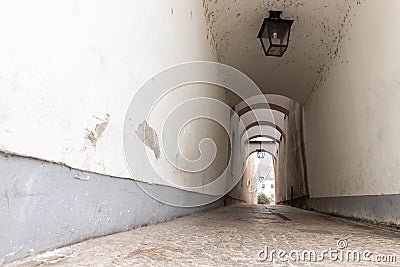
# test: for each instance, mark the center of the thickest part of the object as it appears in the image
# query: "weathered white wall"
(69, 69)
(291, 164)
(190, 137)
(351, 121)
(243, 191)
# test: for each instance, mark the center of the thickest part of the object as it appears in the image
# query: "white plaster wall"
(291, 164)
(351, 121)
(67, 66)
(190, 138)
(244, 190)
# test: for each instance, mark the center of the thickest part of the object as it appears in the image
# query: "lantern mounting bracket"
(273, 14)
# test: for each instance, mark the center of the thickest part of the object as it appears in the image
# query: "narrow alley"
(233, 236)
(199, 132)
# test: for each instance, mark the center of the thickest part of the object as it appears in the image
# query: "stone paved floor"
(232, 236)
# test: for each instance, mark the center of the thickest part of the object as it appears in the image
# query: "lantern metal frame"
(274, 17)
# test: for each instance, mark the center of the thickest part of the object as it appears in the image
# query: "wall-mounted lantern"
(260, 153)
(274, 34)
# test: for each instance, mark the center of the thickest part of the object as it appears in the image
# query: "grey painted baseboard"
(300, 202)
(45, 205)
(384, 209)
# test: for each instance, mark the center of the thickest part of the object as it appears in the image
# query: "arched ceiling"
(318, 29)
(263, 130)
(252, 112)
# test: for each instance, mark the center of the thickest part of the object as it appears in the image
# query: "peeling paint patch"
(101, 127)
(93, 136)
(149, 137)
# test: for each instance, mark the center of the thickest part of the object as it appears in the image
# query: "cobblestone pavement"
(232, 236)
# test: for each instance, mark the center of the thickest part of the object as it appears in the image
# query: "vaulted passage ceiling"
(319, 28)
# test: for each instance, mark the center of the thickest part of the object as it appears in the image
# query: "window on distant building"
(272, 185)
(263, 186)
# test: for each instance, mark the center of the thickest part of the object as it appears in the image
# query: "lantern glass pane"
(276, 51)
(265, 38)
(278, 32)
